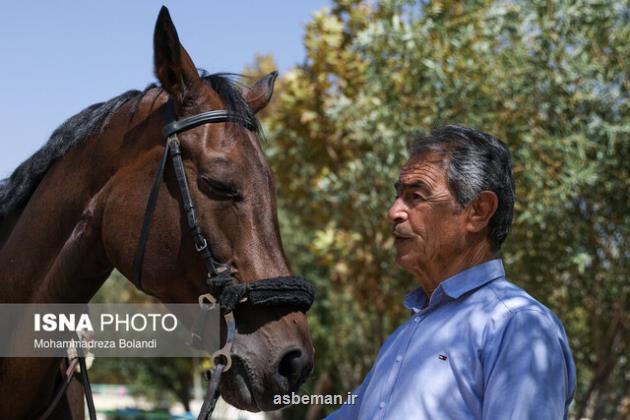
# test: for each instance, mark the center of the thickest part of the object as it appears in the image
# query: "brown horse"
(74, 210)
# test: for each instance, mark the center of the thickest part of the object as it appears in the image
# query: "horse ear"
(258, 95)
(173, 66)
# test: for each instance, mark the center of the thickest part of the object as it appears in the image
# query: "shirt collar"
(458, 284)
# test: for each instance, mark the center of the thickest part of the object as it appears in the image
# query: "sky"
(58, 57)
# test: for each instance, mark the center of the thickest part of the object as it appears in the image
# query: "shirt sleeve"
(350, 410)
(528, 370)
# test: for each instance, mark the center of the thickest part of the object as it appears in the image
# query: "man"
(476, 346)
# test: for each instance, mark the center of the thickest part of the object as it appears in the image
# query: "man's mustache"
(401, 231)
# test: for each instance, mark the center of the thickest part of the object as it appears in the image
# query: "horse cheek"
(123, 216)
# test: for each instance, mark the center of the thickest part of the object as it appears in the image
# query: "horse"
(73, 212)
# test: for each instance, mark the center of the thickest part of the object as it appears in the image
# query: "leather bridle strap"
(172, 147)
(216, 116)
(148, 217)
(61, 390)
(201, 244)
(87, 388)
(85, 381)
(223, 289)
(289, 290)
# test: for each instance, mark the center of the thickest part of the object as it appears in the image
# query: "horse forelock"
(228, 87)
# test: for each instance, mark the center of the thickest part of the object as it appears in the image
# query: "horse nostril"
(295, 366)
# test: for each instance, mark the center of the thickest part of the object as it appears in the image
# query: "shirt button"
(381, 404)
(416, 319)
(398, 358)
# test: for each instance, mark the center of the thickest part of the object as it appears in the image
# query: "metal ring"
(222, 354)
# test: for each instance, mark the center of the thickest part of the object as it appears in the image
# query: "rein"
(76, 362)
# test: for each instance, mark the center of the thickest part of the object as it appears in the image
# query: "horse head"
(233, 191)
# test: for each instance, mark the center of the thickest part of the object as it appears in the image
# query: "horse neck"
(53, 252)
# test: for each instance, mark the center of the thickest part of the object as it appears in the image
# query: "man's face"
(428, 223)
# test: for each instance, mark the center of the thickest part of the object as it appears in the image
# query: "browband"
(216, 116)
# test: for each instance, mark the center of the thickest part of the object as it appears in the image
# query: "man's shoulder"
(512, 298)
(504, 301)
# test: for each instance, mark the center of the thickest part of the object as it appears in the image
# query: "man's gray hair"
(477, 162)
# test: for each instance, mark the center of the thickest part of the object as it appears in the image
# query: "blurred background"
(550, 78)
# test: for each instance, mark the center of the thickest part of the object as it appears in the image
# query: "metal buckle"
(207, 302)
(203, 246)
(221, 268)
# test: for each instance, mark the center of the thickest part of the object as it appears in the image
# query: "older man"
(476, 346)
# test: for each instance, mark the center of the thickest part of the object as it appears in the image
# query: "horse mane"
(17, 189)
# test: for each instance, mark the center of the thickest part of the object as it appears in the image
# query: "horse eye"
(221, 190)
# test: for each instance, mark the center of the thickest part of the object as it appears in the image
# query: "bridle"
(293, 291)
(223, 290)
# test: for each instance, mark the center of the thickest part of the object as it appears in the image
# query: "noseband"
(223, 289)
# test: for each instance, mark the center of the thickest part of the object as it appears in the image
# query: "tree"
(549, 78)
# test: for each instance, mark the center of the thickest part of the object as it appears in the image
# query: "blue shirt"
(482, 348)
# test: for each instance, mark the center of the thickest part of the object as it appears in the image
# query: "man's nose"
(396, 213)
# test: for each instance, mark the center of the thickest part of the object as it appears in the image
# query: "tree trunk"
(606, 362)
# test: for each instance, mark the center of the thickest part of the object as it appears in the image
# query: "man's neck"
(437, 271)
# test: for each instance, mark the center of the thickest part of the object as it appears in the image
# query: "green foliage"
(162, 381)
(549, 78)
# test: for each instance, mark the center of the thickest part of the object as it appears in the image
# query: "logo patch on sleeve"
(442, 357)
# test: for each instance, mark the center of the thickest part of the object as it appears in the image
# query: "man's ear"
(480, 210)
(173, 67)
(259, 95)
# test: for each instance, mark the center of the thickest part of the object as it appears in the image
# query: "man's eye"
(414, 197)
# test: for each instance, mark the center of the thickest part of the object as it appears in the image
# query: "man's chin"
(402, 256)
(406, 261)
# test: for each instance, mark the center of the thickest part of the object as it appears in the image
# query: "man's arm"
(529, 371)
(350, 410)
